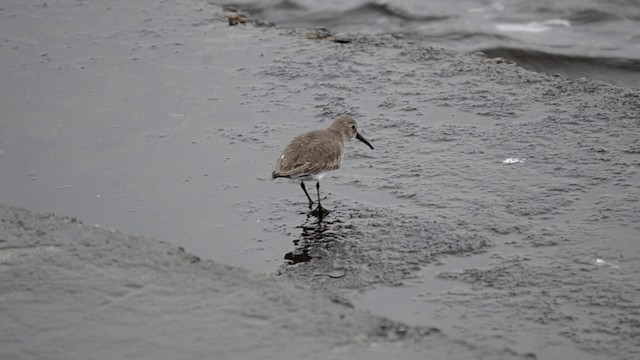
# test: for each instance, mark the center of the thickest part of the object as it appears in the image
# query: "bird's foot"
(320, 212)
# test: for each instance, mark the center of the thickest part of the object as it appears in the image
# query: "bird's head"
(347, 127)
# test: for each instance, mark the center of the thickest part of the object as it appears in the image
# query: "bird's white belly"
(315, 177)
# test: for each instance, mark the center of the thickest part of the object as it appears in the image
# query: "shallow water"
(595, 39)
(134, 125)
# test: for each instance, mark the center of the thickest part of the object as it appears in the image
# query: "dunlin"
(311, 155)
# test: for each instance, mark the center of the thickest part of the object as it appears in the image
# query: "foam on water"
(534, 26)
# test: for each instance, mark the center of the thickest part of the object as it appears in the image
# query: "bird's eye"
(353, 127)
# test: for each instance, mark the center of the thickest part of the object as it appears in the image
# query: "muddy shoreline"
(71, 291)
(163, 120)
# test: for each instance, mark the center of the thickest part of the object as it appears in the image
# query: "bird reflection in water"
(316, 239)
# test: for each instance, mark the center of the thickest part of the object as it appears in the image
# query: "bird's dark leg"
(306, 193)
(319, 211)
(318, 190)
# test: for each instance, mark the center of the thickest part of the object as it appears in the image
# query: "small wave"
(455, 36)
(288, 12)
(618, 71)
(585, 13)
(590, 16)
(534, 26)
(394, 12)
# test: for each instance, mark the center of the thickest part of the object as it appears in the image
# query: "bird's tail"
(275, 175)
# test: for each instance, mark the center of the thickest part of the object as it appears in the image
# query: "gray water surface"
(161, 119)
(593, 38)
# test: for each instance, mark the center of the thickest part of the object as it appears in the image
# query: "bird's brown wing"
(309, 154)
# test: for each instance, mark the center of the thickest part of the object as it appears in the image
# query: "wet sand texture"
(71, 291)
(162, 119)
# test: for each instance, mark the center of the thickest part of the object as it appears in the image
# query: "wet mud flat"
(499, 208)
(72, 291)
(500, 204)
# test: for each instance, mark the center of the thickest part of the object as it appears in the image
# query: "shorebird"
(311, 155)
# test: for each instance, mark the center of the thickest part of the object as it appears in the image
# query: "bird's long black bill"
(361, 138)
